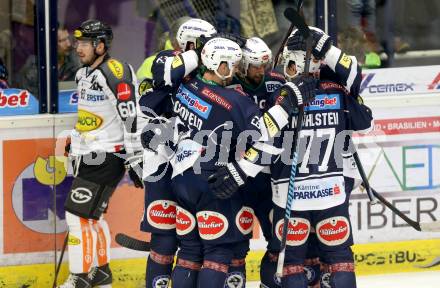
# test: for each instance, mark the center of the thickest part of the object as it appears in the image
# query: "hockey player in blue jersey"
(256, 78)
(212, 219)
(168, 69)
(324, 176)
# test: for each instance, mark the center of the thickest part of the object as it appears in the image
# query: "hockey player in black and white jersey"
(168, 70)
(256, 78)
(105, 138)
(324, 176)
(212, 220)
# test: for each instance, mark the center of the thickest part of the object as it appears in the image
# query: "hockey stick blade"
(132, 243)
(430, 227)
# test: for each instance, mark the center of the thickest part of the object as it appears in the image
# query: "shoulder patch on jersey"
(116, 67)
(124, 91)
(87, 121)
(345, 61)
(177, 61)
(277, 75)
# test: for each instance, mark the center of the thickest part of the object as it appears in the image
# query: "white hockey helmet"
(218, 50)
(299, 57)
(255, 52)
(190, 30)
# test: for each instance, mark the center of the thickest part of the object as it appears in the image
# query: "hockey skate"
(77, 281)
(101, 276)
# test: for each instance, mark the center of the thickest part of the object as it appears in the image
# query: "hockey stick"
(292, 26)
(293, 16)
(57, 268)
(132, 243)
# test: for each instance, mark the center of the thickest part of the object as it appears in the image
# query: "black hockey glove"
(155, 133)
(300, 91)
(200, 43)
(226, 181)
(133, 164)
(321, 43)
(241, 41)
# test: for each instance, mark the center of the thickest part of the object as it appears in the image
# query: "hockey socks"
(312, 268)
(185, 274)
(213, 274)
(338, 275)
(160, 261)
(294, 276)
(267, 271)
(236, 274)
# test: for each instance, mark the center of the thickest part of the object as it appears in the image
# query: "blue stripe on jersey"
(193, 102)
(324, 102)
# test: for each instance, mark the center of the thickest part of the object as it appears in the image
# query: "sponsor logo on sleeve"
(297, 231)
(177, 61)
(116, 67)
(87, 121)
(217, 98)
(185, 221)
(161, 214)
(123, 91)
(272, 128)
(272, 85)
(212, 225)
(251, 154)
(345, 61)
(245, 220)
(333, 231)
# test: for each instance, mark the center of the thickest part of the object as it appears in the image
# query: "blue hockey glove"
(300, 91)
(226, 181)
(321, 43)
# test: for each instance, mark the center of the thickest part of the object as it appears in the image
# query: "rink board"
(376, 258)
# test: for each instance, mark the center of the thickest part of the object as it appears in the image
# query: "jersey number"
(127, 109)
(316, 138)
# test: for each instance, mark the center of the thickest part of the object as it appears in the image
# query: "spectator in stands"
(3, 75)
(68, 62)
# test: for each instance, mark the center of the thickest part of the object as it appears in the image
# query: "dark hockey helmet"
(96, 31)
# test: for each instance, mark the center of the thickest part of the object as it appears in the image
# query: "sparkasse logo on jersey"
(383, 88)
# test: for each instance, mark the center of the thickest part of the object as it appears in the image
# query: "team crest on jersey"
(161, 214)
(297, 231)
(185, 221)
(212, 225)
(116, 67)
(333, 231)
(87, 121)
(245, 220)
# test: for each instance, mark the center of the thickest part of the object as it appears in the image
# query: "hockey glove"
(133, 164)
(241, 41)
(200, 43)
(155, 133)
(300, 91)
(226, 181)
(321, 43)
